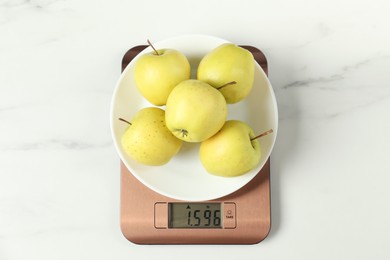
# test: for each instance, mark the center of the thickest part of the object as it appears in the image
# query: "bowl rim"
(118, 149)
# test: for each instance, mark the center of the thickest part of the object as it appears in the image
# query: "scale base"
(144, 213)
(141, 222)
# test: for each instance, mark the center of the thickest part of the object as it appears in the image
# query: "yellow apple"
(147, 139)
(195, 111)
(228, 63)
(157, 73)
(233, 151)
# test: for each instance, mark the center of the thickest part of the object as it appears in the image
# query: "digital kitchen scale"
(242, 217)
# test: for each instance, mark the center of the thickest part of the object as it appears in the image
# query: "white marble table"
(329, 62)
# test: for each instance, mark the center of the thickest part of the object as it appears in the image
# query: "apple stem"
(263, 134)
(227, 84)
(151, 45)
(124, 120)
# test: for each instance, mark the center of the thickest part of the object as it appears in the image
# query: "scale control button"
(229, 215)
(161, 215)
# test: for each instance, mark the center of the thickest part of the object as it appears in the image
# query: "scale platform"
(242, 217)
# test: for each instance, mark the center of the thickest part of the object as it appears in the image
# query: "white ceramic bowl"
(184, 178)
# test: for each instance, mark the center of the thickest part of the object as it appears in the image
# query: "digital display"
(195, 215)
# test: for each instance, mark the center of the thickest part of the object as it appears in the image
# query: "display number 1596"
(208, 217)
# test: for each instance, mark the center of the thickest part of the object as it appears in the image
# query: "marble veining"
(339, 76)
(38, 4)
(54, 144)
(310, 81)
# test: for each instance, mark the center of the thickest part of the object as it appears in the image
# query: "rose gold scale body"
(244, 217)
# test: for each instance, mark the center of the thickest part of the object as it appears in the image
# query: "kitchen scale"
(242, 217)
